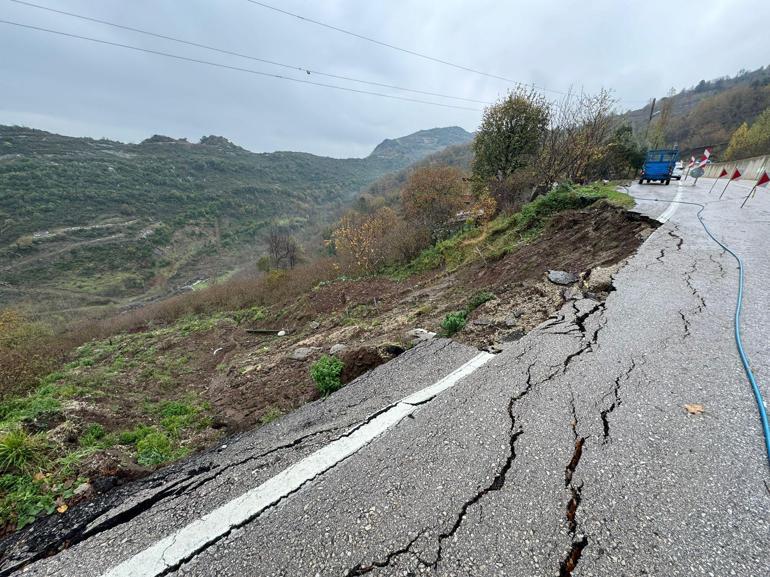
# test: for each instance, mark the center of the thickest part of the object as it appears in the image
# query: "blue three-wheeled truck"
(658, 165)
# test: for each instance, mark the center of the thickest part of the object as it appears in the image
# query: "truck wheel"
(668, 181)
(641, 181)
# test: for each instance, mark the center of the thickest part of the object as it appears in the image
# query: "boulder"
(572, 293)
(416, 336)
(600, 279)
(303, 353)
(562, 277)
(338, 348)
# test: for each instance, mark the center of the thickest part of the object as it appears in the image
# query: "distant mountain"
(421, 144)
(87, 222)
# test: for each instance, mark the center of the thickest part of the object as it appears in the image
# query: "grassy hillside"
(87, 223)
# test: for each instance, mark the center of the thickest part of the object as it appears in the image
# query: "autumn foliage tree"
(751, 141)
(434, 197)
(363, 241)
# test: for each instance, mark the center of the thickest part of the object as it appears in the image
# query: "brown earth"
(371, 316)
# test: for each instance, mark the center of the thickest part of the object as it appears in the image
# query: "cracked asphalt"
(569, 453)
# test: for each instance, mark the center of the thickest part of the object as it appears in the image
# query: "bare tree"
(282, 248)
(580, 127)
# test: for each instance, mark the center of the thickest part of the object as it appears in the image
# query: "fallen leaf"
(39, 476)
(694, 408)
(62, 508)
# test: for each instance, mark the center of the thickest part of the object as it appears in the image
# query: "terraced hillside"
(95, 223)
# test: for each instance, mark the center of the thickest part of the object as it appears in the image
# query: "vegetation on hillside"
(93, 222)
(750, 141)
(706, 114)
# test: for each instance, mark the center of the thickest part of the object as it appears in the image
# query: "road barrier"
(750, 168)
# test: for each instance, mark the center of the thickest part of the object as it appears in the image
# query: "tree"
(510, 135)
(432, 198)
(363, 242)
(282, 248)
(623, 155)
(754, 141)
(580, 129)
(738, 142)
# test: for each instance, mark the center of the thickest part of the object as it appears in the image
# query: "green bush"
(21, 452)
(135, 435)
(479, 299)
(454, 322)
(326, 373)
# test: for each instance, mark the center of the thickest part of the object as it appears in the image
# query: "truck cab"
(659, 165)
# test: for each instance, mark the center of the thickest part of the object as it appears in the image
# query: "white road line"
(669, 212)
(182, 544)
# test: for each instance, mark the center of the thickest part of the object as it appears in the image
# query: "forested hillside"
(88, 222)
(706, 114)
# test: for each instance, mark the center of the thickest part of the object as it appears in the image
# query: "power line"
(400, 49)
(408, 51)
(247, 56)
(236, 68)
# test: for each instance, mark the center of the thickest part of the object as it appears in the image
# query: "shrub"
(21, 452)
(479, 299)
(454, 322)
(326, 373)
(135, 435)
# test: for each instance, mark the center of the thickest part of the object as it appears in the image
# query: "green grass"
(39, 403)
(508, 231)
(21, 452)
(157, 448)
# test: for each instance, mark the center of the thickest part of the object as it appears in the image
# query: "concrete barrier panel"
(750, 168)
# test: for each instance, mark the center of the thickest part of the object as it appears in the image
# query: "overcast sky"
(80, 88)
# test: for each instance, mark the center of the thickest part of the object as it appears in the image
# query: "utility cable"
(400, 49)
(247, 56)
(236, 68)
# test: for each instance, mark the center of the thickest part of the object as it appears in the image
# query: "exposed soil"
(245, 379)
(372, 316)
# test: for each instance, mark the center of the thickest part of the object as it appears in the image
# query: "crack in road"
(497, 483)
(579, 542)
(616, 402)
(362, 569)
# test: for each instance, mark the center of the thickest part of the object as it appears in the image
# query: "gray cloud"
(639, 49)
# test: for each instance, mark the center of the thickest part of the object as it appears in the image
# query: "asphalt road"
(569, 453)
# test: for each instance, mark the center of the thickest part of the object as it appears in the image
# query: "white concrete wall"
(750, 168)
